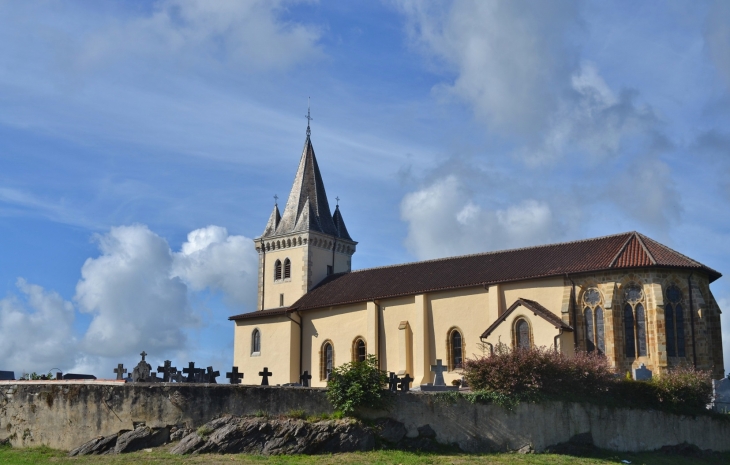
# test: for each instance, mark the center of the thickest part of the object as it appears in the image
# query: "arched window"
(522, 334)
(277, 270)
(359, 350)
(287, 269)
(327, 360)
(590, 335)
(634, 321)
(456, 345)
(256, 341)
(593, 317)
(674, 322)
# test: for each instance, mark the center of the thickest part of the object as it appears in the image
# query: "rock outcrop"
(124, 441)
(232, 435)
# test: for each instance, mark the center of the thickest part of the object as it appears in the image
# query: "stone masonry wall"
(64, 416)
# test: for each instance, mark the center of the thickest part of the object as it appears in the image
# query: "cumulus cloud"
(215, 260)
(444, 220)
(139, 294)
(37, 330)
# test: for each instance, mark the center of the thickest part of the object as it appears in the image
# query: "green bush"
(358, 384)
(685, 386)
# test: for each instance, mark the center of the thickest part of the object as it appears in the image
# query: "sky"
(142, 142)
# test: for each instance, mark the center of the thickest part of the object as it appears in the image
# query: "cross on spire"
(276, 199)
(338, 200)
(309, 118)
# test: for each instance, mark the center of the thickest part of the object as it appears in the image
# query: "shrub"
(297, 413)
(524, 372)
(358, 384)
(685, 386)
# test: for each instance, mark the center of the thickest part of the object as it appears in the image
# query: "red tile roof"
(620, 251)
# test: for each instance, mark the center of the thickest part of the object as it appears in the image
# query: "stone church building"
(625, 296)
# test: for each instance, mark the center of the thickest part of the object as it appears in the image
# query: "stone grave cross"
(167, 371)
(120, 370)
(265, 376)
(305, 378)
(439, 369)
(212, 375)
(393, 382)
(234, 376)
(190, 371)
(405, 382)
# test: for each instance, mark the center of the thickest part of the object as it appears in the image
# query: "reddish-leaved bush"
(685, 386)
(526, 371)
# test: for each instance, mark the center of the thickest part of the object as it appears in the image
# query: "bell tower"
(307, 243)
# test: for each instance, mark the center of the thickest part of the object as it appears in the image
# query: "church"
(626, 296)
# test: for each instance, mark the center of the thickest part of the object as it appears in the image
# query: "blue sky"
(141, 144)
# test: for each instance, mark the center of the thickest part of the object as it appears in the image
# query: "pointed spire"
(307, 206)
(273, 222)
(340, 224)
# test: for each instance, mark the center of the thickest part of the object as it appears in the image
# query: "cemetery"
(148, 408)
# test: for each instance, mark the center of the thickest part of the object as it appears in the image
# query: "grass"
(161, 455)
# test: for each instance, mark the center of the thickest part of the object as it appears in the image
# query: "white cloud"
(246, 35)
(212, 259)
(37, 332)
(442, 223)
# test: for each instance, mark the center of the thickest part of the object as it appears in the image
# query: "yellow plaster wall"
(466, 309)
(341, 325)
(279, 350)
(321, 258)
(542, 333)
(292, 288)
(548, 292)
(392, 312)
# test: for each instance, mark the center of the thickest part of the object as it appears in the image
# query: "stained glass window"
(679, 318)
(674, 295)
(633, 293)
(592, 297)
(641, 329)
(600, 337)
(671, 334)
(629, 331)
(590, 337)
(523, 334)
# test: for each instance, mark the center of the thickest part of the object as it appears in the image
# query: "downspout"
(692, 320)
(300, 337)
(263, 273)
(491, 347)
(555, 339)
(377, 346)
(573, 313)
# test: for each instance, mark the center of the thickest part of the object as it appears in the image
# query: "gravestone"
(190, 371)
(265, 376)
(153, 378)
(642, 373)
(167, 371)
(78, 376)
(304, 379)
(59, 375)
(393, 381)
(234, 376)
(141, 372)
(405, 383)
(211, 375)
(120, 370)
(721, 395)
(7, 376)
(438, 383)
(177, 377)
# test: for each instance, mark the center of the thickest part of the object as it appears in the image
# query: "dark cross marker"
(120, 370)
(143, 354)
(212, 375)
(405, 383)
(393, 382)
(305, 378)
(190, 371)
(200, 375)
(167, 371)
(265, 376)
(234, 376)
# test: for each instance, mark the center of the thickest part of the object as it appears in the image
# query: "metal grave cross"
(167, 371)
(212, 375)
(405, 383)
(234, 376)
(190, 371)
(120, 370)
(305, 378)
(265, 376)
(393, 382)
(439, 369)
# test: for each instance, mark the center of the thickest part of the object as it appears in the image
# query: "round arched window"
(522, 334)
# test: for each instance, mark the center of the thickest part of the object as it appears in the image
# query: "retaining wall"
(63, 416)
